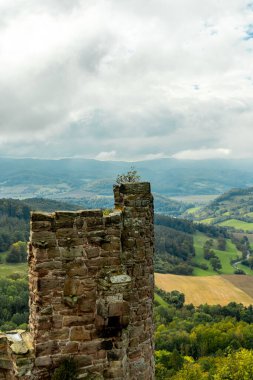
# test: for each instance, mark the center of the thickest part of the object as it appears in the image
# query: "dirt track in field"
(210, 289)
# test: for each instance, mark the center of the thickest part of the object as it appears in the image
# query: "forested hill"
(15, 215)
(184, 247)
(171, 177)
(21, 208)
(233, 209)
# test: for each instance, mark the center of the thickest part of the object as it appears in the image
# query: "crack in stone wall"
(91, 282)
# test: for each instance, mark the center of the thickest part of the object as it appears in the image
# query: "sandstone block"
(46, 348)
(43, 361)
(78, 333)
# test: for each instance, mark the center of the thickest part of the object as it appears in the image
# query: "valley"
(204, 275)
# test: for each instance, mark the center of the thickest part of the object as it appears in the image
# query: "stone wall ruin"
(91, 285)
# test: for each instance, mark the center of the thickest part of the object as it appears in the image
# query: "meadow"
(231, 253)
(237, 224)
(9, 269)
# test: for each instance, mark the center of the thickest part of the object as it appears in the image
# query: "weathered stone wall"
(16, 355)
(91, 289)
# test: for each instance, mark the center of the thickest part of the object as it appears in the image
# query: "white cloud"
(154, 156)
(202, 154)
(81, 77)
(106, 156)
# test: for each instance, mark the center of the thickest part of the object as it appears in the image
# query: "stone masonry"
(91, 282)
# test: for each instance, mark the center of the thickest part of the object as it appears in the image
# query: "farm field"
(210, 289)
(238, 224)
(245, 283)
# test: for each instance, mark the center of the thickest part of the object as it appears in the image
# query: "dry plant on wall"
(131, 176)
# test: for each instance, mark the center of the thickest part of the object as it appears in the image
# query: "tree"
(250, 260)
(236, 366)
(131, 176)
(221, 243)
(216, 263)
(17, 252)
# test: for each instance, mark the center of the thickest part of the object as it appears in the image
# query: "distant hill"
(233, 209)
(83, 178)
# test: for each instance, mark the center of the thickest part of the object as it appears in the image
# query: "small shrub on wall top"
(131, 176)
(66, 371)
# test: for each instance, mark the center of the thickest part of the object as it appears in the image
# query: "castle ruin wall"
(91, 283)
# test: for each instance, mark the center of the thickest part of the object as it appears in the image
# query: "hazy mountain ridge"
(75, 177)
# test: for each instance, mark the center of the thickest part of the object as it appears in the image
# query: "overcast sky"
(126, 79)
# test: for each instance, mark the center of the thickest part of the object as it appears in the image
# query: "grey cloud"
(121, 76)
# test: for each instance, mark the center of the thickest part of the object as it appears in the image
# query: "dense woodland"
(202, 342)
(14, 303)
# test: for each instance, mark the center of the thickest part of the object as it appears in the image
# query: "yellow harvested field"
(199, 290)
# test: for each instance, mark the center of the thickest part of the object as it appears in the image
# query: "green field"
(199, 241)
(224, 256)
(238, 224)
(207, 221)
(8, 269)
(192, 210)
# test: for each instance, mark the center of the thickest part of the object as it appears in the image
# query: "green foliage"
(173, 247)
(14, 302)
(66, 371)
(206, 340)
(236, 366)
(14, 208)
(183, 247)
(239, 271)
(107, 211)
(232, 210)
(174, 298)
(14, 224)
(7, 270)
(167, 206)
(12, 229)
(221, 243)
(17, 253)
(216, 263)
(131, 176)
(191, 371)
(167, 363)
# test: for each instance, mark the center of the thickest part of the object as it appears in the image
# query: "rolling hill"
(76, 178)
(233, 209)
(187, 248)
